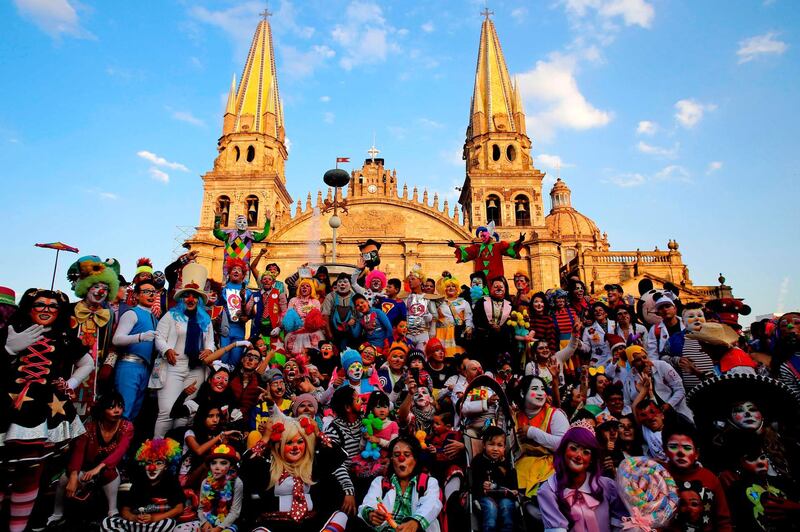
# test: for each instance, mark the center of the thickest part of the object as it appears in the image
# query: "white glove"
(191, 405)
(19, 341)
(236, 414)
(147, 336)
(275, 331)
(242, 343)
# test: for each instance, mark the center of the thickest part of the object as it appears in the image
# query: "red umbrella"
(58, 246)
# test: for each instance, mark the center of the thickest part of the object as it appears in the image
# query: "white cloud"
(364, 37)
(158, 175)
(186, 116)
(713, 166)
(646, 127)
(554, 100)
(628, 180)
(649, 149)
(288, 143)
(54, 17)
(689, 112)
(554, 162)
(428, 123)
(324, 99)
(299, 64)
(160, 161)
(428, 27)
(103, 194)
(672, 172)
(519, 14)
(632, 12)
(328, 117)
(287, 15)
(760, 45)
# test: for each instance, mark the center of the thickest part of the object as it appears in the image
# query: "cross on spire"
(265, 14)
(373, 151)
(486, 13)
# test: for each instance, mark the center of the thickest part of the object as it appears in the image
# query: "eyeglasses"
(45, 306)
(148, 292)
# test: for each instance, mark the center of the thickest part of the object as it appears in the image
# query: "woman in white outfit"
(185, 339)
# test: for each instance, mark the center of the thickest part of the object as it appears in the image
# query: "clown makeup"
(212, 298)
(521, 284)
(681, 451)
(746, 415)
(694, 319)
(450, 290)
(577, 458)
(190, 300)
(536, 395)
(623, 317)
(277, 388)
(485, 236)
(343, 286)
(291, 369)
(403, 461)
(561, 302)
(294, 449)
(236, 274)
(578, 290)
(380, 412)
(690, 506)
(326, 350)
(154, 468)
(477, 281)
(397, 359)
(219, 468)
(267, 281)
(402, 327)
(305, 290)
(495, 448)
(756, 465)
(652, 417)
(498, 289)
(355, 371)
(97, 293)
(422, 397)
(368, 356)
(538, 304)
(241, 223)
(375, 285)
(251, 360)
(44, 311)
(219, 381)
(437, 355)
(146, 295)
(307, 408)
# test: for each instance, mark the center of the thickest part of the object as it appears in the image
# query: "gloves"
(147, 336)
(19, 341)
(275, 331)
(242, 343)
(236, 414)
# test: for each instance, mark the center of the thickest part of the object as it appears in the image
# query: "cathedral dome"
(567, 222)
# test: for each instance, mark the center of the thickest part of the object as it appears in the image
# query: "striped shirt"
(348, 437)
(703, 363)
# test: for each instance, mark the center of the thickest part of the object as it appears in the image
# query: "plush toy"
(420, 435)
(371, 424)
(648, 294)
(728, 310)
(519, 320)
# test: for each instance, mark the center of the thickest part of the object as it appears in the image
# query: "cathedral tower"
(501, 184)
(249, 172)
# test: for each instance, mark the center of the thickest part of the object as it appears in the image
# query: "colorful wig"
(583, 437)
(233, 262)
(311, 285)
(376, 274)
(89, 270)
(165, 449)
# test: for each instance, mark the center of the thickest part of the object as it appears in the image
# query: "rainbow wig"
(165, 449)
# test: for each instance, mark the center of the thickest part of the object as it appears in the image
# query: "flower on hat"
(277, 432)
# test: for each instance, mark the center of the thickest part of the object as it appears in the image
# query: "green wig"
(90, 270)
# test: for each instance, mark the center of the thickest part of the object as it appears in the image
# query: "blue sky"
(669, 119)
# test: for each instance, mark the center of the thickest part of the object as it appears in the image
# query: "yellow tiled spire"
(257, 104)
(494, 100)
(230, 107)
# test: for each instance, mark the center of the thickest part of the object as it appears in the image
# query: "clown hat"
(194, 280)
(350, 357)
(7, 296)
(90, 270)
(224, 451)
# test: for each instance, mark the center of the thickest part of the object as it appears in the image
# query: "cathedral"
(501, 185)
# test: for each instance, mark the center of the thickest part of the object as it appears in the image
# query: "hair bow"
(219, 365)
(308, 425)
(277, 431)
(599, 370)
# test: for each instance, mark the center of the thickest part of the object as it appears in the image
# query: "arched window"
(236, 152)
(251, 154)
(511, 152)
(493, 209)
(224, 209)
(495, 152)
(522, 210)
(251, 206)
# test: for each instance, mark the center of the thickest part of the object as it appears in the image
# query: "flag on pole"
(58, 246)
(343, 159)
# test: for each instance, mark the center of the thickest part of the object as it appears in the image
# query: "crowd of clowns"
(355, 402)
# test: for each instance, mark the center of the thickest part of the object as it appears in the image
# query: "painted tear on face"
(747, 416)
(355, 371)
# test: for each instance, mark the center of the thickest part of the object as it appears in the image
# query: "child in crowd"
(494, 482)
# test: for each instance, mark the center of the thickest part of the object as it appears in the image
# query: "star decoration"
(57, 407)
(18, 401)
(707, 507)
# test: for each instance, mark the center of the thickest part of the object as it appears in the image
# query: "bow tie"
(574, 497)
(83, 313)
(599, 370)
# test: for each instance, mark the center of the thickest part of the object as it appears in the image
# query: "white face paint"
(536, 396)
(97, 293)
(154, 468)
(477, 281)
(747, 416)
(694, 319)
(241, 223)
(355, 371)
(422, 397)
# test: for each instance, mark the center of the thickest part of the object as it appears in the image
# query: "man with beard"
(234, 295)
